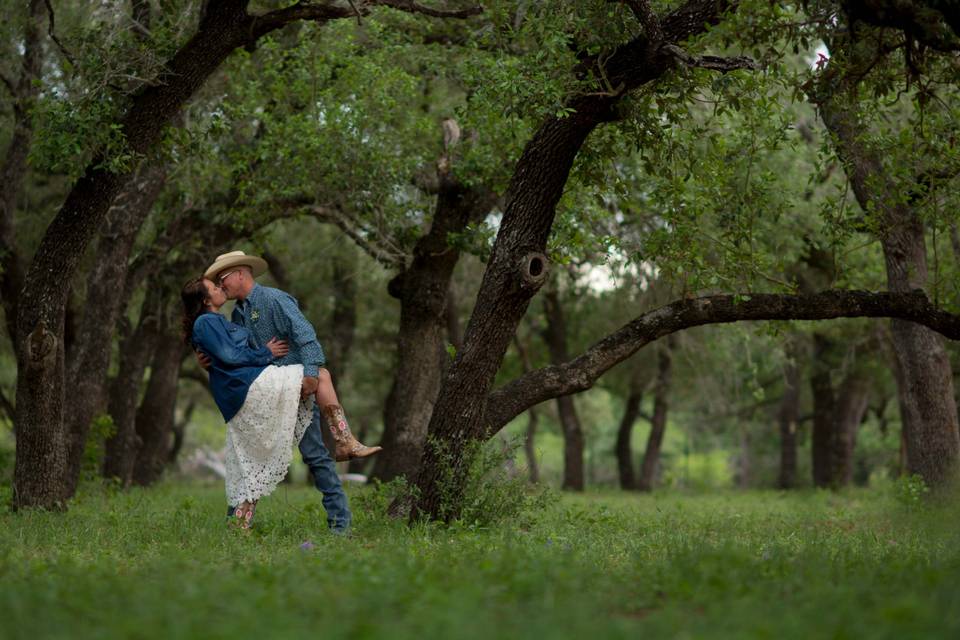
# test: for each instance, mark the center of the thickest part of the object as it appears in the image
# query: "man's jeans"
(324, 471)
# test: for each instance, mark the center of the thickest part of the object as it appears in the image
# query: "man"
(267, 312)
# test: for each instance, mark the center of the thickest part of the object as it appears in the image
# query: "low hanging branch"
(580, 373)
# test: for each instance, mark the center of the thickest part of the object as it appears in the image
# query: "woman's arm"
(211, 334)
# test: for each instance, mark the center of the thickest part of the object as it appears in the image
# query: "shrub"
(494, 490)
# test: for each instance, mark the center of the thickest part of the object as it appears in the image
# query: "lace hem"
(261, 437)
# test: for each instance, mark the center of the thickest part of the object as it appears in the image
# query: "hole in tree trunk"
(533, 270)
(536, 266)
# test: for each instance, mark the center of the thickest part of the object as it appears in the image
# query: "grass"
(159, 563)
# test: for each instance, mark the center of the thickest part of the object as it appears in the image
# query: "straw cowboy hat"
(236, 259)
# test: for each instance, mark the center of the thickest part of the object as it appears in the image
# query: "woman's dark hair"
(194, 296)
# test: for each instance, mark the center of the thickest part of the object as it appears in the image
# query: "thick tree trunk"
(555, 335)
(658, 423)
(623, 449)
(517, 266)
(926, 394)
(89, 360)
(42, 476)
(851, 407)
(156, 415)
(824, 411)
(789, 417)
(423, 292)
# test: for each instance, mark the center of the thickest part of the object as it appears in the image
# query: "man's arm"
(300, 333)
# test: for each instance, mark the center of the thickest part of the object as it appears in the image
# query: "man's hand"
(308, 387)
(278, 347)
(203, 360)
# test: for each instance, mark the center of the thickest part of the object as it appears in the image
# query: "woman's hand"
(278, 347)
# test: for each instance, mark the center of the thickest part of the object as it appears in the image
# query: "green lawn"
(159, 563)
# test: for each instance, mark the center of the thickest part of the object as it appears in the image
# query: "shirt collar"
(254, 293)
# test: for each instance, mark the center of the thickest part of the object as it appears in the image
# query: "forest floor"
(160, 563)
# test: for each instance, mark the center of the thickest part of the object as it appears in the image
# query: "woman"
(260, 402)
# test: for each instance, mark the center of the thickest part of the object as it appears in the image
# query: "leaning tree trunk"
(516, 270)
(555, 335)
(423, 292)
(927, 405)
(789, 417)
(517, 266)
(41, 477)
(624, 451)
(824, 409)
(89, 360)
(658, 423)
(14, 168)
(156, 415)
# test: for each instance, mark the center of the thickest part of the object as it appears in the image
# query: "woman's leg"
(348, 447)
(326, 394)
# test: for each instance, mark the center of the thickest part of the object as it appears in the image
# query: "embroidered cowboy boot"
(348, 447)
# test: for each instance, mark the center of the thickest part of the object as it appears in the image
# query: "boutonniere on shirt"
(254, 315)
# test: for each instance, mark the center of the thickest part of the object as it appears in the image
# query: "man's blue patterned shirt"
(268, 313)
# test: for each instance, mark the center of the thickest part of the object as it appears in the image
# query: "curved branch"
(580, 373)
(714, 63)
(415, 7)
(265, 23)
(330, 11)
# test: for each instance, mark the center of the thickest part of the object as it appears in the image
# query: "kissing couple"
(268, 379)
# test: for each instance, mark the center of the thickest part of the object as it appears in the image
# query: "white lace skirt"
(261, 437)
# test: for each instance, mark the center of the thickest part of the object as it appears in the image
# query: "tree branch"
(581, 372)
(415, 7)
(335, 215)
(329, 11)
(934, 24)
(716, 63)
(265, 23)
(647, 18)
(53, 36)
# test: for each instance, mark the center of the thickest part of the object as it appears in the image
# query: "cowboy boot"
(348, 447)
